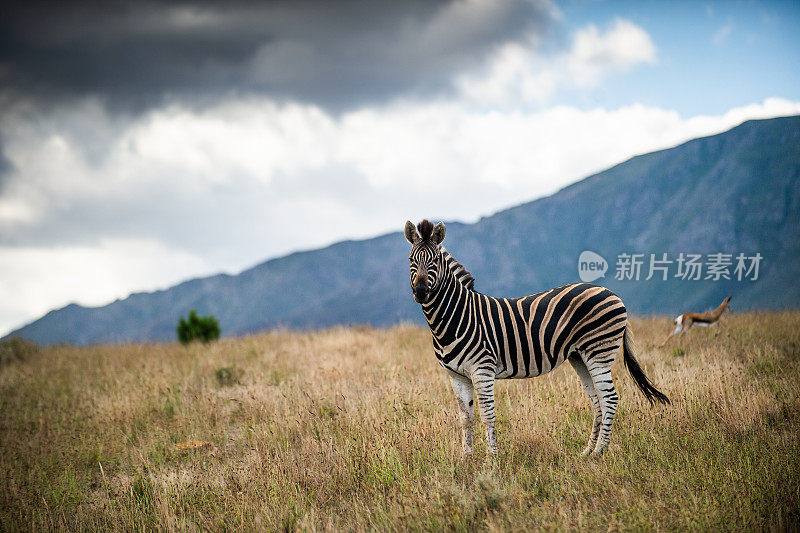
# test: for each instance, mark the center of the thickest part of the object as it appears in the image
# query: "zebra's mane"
(462, 274)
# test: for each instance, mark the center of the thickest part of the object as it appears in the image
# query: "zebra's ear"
(438, 233)
(411, 232)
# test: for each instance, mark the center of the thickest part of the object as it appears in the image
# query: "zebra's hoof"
(587, 451)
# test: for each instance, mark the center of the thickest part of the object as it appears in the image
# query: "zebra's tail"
(652, 394)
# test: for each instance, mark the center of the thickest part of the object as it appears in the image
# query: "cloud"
(178, 192)
(135, 55)
(35, 280)
(622, 46)
(6, 168)
(722, 34)
(519, 73)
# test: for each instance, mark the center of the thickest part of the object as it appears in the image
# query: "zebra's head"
(425, 257)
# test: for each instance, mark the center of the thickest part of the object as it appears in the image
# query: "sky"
(143, 143)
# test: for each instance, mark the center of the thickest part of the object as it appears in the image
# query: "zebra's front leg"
(484, 387)
(462, 386)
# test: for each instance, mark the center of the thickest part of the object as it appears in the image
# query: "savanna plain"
(356, 429)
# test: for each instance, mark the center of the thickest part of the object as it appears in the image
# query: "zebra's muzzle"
(421, 293)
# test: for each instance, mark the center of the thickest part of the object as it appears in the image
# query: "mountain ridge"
(733, 192)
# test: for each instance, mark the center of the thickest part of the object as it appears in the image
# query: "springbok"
(685, 321)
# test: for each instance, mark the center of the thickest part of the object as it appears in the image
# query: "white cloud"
(519, 73)
(35, 280)
(621, 47)
(722, 34)
(181, 192)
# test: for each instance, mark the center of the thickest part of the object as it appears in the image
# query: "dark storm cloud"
(5, 169)
(336, 54)
(5, 165)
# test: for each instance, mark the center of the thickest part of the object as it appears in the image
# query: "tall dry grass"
(355, 429)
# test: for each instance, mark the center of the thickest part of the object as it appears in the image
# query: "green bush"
(16, 349)
(228, 375)
(197, 328)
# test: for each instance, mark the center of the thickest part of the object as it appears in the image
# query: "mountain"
(733, 193)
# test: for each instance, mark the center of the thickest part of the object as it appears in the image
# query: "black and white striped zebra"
(478, 338)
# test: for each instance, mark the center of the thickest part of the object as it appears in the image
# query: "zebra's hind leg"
(598, 362)
(588, 385)
(462, 386)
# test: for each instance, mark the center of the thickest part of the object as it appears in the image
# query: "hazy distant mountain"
(733, 193)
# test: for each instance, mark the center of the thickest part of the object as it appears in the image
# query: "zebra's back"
(534, 334)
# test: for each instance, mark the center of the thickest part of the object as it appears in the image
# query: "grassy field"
(356, 429)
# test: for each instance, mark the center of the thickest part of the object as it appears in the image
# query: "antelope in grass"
(685, 321)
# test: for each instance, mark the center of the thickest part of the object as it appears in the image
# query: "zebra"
(478, 339)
